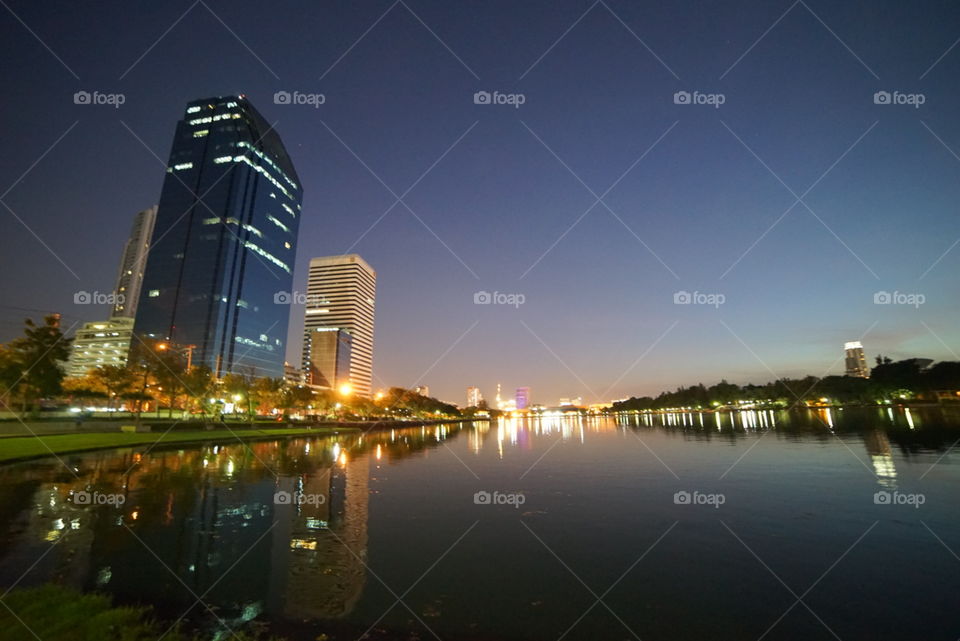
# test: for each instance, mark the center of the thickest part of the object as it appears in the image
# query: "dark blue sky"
(599, 318)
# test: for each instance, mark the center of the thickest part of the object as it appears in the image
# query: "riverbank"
(37, 445)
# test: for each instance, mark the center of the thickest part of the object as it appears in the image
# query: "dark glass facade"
(328, 357)
(222, 253)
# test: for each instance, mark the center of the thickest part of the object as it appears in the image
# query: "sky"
(734, 155)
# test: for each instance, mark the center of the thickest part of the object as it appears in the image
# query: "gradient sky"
(598, 79)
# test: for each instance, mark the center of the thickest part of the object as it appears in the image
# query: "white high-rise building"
(856, 362)
(341, 294)
(100, 343)
(474, 396)
(132, 263)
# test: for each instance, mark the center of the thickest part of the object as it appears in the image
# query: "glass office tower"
(224, 242)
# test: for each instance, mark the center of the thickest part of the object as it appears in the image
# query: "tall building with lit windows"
(223, 247)
(341, 291)
(132, 263)
(856, 362)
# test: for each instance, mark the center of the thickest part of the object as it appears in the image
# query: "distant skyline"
(619, 230)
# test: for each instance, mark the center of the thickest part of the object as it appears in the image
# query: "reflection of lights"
(909, 418)
(135, 515)
(302, 544)
(336, 451)
(379, 452)
(343, 458)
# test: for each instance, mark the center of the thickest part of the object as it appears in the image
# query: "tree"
(31, 365)
(112, 380)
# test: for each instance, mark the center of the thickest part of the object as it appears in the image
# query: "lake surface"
(809, 525)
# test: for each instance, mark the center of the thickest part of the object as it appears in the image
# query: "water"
(784, 534)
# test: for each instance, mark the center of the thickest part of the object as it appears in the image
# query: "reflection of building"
(341, 291)
(224, 243)
(323, 545)
(474, 396)
(132, 262)
(523, 398)
(878, 447)
(100, 343)
(856, 361)
(327, 351)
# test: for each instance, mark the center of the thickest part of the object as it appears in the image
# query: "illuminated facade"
(100, 343)
(474, 396)
(523, 398)
(132, 263)
(856, 361)
(224, 243)
(341, 291)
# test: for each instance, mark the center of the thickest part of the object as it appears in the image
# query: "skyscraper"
(341, 291)
(224, 242)
(856, 361)
(132, 263)
(473, 396)
(100, 343)
(523, 398)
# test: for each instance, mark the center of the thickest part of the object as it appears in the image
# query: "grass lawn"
(25, 447)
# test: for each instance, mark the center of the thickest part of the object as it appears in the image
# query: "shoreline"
(20, 448)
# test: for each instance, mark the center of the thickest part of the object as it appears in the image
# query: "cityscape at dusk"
(413, 319)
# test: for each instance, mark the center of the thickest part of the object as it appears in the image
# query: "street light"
(346, 389)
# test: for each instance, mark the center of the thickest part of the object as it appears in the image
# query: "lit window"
(154, 293)
(193, 110)
(183, 165)
(200, 133)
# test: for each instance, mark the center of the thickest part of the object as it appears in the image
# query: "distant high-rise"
(523, 398)
(327, 352)
(132, 262)
(224, 242)
(100, 343)
(341, 294)
(422, 390)
(473, 396)
(856, 361)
